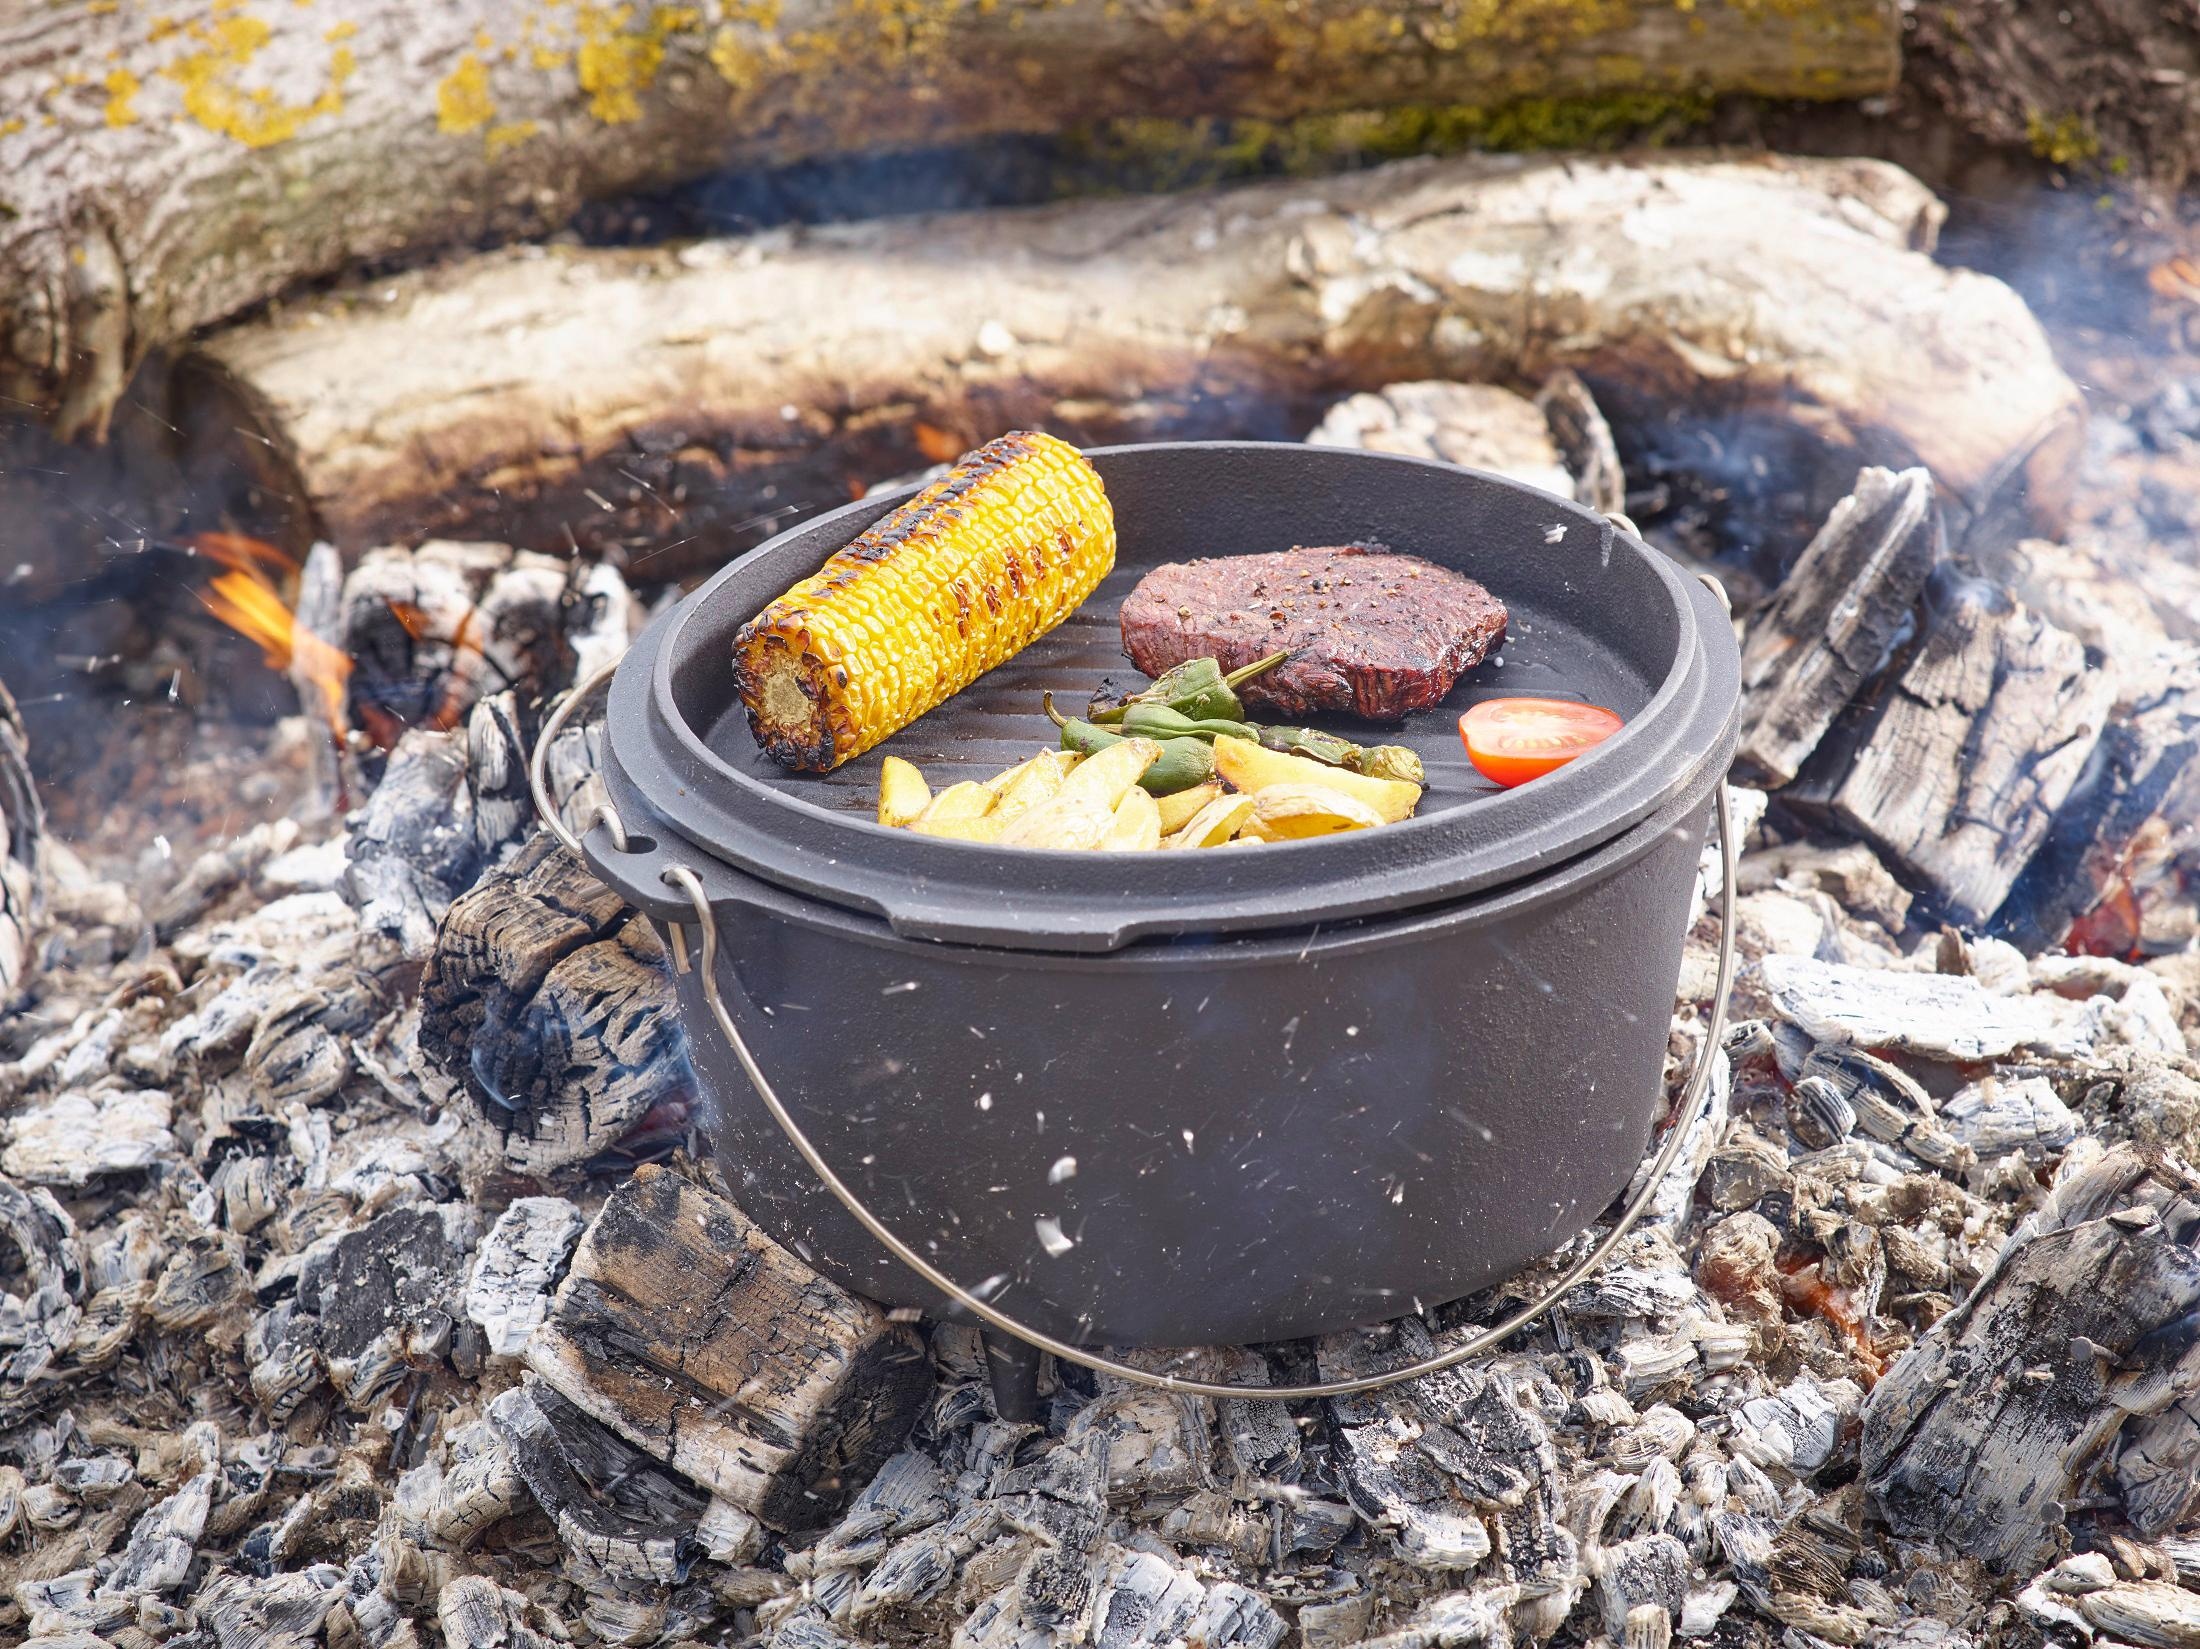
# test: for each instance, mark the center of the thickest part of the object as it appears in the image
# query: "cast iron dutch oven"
(1194, 1098)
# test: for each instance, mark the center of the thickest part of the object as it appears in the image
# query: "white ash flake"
(75, 1138)
(1051, 1236)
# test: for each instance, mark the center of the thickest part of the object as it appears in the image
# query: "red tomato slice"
(1511, 741)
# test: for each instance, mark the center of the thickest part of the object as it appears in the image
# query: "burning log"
(708, 1346)
(1984, 1433)
(671, 401)
(22, 829)
(169, 193)
(1954, 768)
(549, 1002)
(431, 631)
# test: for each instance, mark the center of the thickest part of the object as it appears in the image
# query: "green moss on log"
(1174, 154)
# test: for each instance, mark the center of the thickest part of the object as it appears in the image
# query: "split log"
(22, 830)
(1994, 1420)
(1935, 1016)
(162, 177)
(548, 1000)
(1479, 426)
(708, 1346)
(1955, 768)
(1836, 621)
(674, 402)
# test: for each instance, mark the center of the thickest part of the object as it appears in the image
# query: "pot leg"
(1014, 1367)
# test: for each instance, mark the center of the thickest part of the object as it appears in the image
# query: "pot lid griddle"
(1596, 615)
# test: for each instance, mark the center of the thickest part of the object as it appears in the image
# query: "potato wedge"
(1104, 777)
(1295, 812)
(967, 800)
(1215, 823)
(1253, 768)
(1177, 810)
(902, 793)
(1026, 785)
(1137, 826)
(1071, 823)
(987, 827)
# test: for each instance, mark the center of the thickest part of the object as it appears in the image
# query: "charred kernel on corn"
(961, 578)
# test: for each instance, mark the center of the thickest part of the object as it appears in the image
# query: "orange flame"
(245, 599)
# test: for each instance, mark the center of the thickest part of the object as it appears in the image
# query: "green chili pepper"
(1183, 762)
(1156, 721)
(1196, 689)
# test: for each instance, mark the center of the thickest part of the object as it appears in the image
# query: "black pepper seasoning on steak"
(1370, 633)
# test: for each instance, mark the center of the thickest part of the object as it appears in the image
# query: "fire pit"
(1198, 1098)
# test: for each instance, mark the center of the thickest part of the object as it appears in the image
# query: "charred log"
(1987, 1428)
(547, 999)
(705, 1344)
(1954, 767)
(673, 404)
(1839, 614)
(2117, 823)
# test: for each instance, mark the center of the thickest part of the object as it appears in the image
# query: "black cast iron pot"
(1199, 1098)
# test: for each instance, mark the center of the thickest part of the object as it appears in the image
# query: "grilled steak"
(1371, 633)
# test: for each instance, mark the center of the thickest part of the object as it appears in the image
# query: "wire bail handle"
(1689, 1114)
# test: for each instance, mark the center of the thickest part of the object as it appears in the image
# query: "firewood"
(547, 999)
(618, 1512)
(705, 1344)
(1479, 426)
(1954, 769)
(517, 395)
(1836, 620)
(2119, 820)
(434, 629)
(1987, 1428)
(22, 831)
(166, 195)
(1584, 441)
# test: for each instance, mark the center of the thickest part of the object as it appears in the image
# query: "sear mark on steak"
(1371, 633)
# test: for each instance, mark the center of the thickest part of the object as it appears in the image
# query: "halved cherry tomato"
(1511, 741)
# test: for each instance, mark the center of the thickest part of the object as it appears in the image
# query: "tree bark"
(166, 172)
(669, 403)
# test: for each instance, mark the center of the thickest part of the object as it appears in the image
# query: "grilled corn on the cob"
(961, 578)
